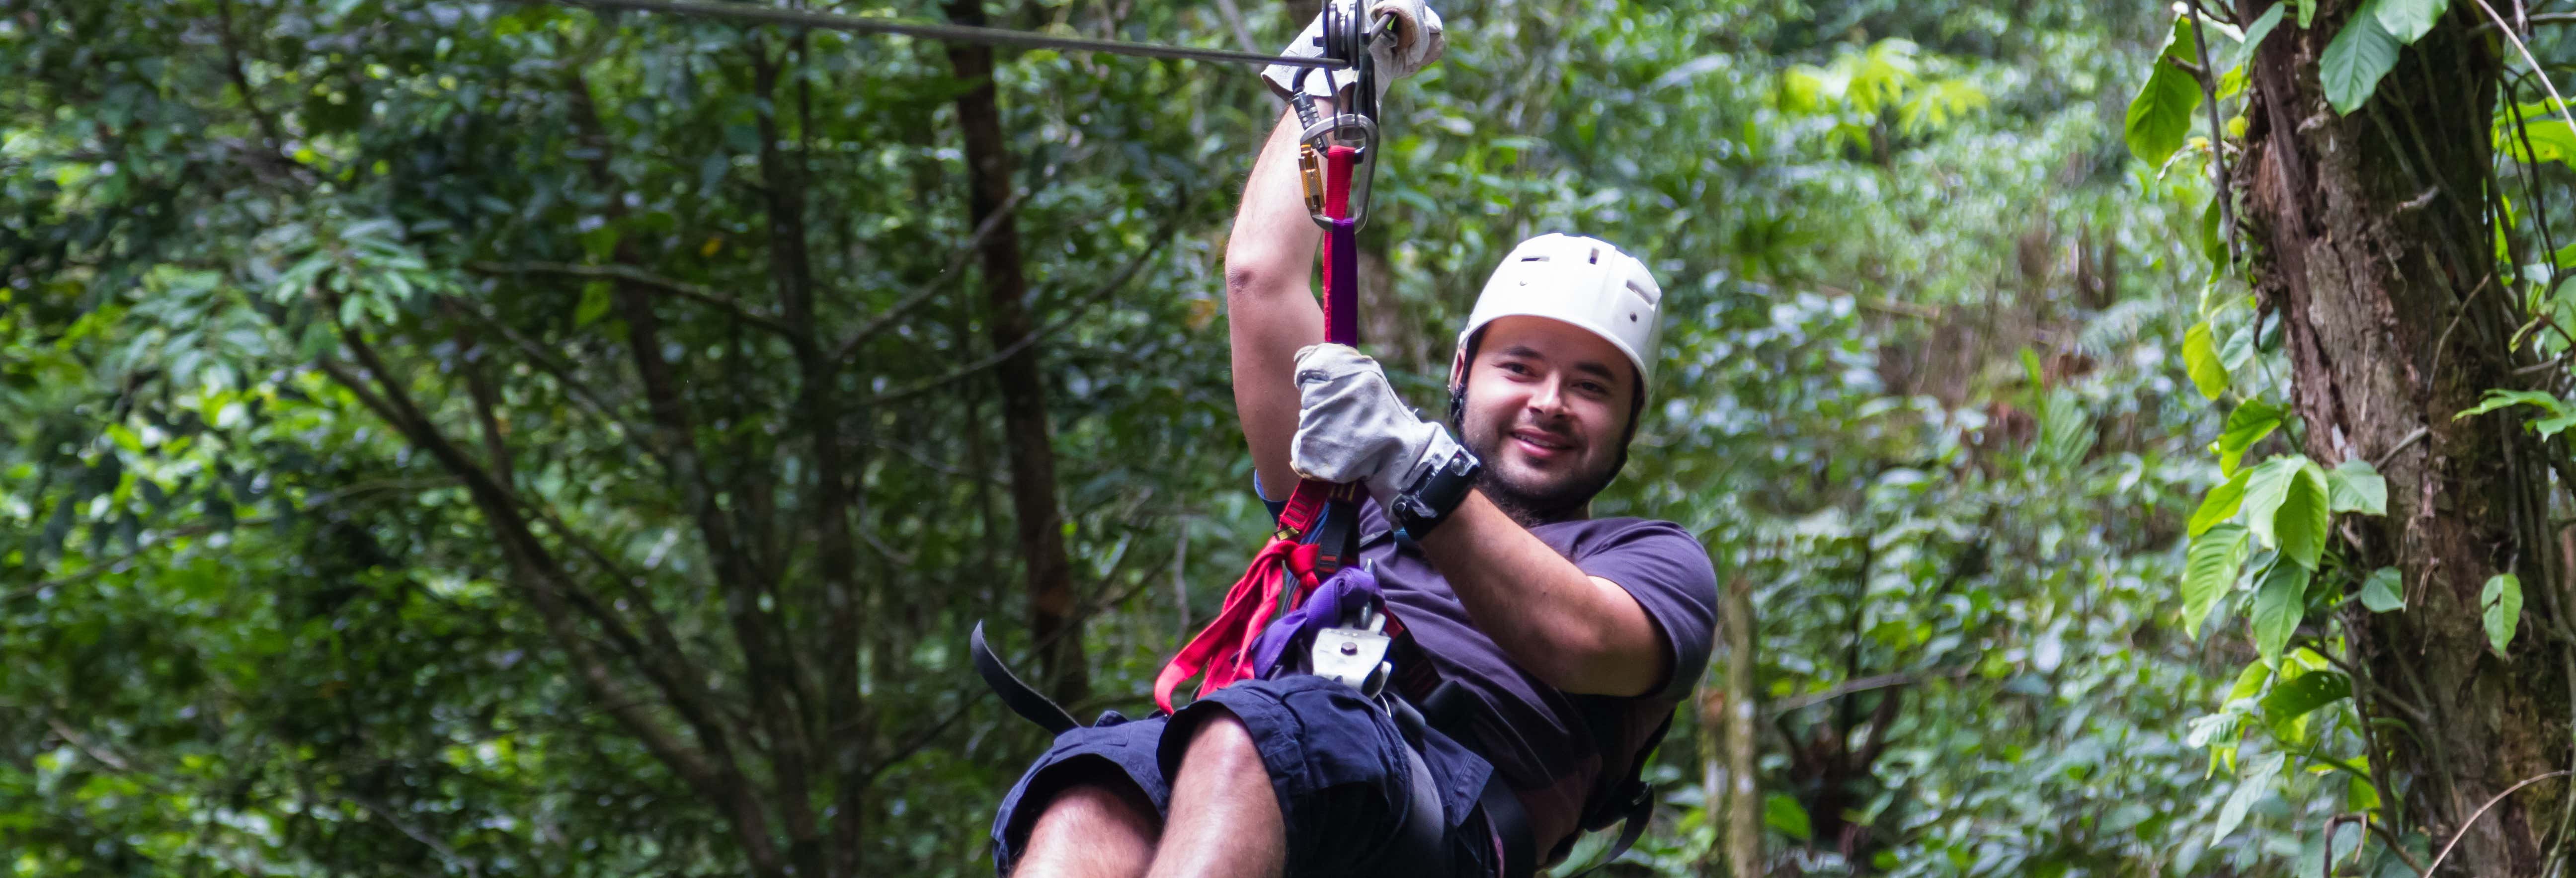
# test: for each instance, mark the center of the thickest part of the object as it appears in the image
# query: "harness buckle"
(1354, 657)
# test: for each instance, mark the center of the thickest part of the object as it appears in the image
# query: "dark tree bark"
(1040, 525)
(2370, 247)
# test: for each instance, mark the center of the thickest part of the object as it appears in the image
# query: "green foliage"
(2406, 20)
(2208, 571)
(2287, 706)
(2286, 505)
(285, 634)
(2560, 414)
(2200, 358)
(2500, 609)
(2385, 590)
(2355, 486)
(2252, 420)
(2360, 54)
(2161, 115)
(2280, 599)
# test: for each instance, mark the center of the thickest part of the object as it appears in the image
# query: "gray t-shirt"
(1551, 745)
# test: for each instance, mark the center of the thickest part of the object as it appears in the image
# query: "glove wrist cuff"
(1433, 493)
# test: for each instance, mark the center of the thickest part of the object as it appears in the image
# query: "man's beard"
(1534, 505)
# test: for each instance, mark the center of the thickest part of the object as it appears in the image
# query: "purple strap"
(1350, 589)
(1342, 284)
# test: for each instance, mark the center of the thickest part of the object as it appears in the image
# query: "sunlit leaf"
(2280, 600)
(2356, 486)
(2208, 569)
(2385, 590)
(2407, 20)
(2500, 604)
(2252, 420)
(2200, 359)
(2293, 699)
(2220, 505)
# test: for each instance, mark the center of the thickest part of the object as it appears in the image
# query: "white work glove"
(1418, 43)
(1351, 428)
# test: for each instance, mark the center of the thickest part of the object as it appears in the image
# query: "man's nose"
(1548, 399)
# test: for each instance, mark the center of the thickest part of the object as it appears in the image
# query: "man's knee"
(1222, 744)
(1093, 809)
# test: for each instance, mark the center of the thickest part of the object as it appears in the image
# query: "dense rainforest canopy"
(490, 438)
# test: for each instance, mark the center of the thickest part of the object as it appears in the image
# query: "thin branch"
(2391, 453)
(82, 743)
(956, 268)
(2463, 831)
(2535, 20)
(1074, 310)
(387, 815)
(642, 278)
(2556, 102)
(581, 393)
(2217, 133)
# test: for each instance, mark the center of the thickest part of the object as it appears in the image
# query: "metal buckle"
(1354, 657)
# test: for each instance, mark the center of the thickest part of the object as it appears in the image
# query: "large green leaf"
(2354, 62)
(2254, 34)
(2501, 604)
(2279, 602)
(2385, 590)
(2252, 420)
(1783, 813)
(2547, 136)
(2220, 505)
(2200, 359)
(2407, 20)
(2286, 504)
(2208, 569)
(2356, 486)
(2496, 399)
(2295, 698)
(2160, 114)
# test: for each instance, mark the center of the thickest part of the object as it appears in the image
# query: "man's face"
(1546, 408)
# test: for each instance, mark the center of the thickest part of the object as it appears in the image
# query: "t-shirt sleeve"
(1669, 574)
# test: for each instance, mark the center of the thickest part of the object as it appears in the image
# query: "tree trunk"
(2370, 246)
(1052, 624)
(1742, 829)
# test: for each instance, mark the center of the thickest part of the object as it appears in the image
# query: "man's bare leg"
(1091, 831)
(1225, 820)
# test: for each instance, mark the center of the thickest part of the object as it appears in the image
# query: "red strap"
(1219, 649)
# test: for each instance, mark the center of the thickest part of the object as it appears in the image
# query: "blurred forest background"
(464, 438)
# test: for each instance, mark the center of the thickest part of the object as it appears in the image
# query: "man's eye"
(1515, 368)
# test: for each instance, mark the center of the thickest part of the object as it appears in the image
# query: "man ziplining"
(1548, 648)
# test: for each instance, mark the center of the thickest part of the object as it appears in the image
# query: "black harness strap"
(1017, 696)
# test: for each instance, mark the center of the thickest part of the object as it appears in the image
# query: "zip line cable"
(932, 31)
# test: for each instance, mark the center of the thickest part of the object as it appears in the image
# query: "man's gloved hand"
(1351, 428)
(1418, 42)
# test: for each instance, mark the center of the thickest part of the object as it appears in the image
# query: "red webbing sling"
(1220, 650)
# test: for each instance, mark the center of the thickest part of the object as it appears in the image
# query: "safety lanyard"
(1318, 529)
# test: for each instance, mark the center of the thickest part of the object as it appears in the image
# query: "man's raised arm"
(1270, 303)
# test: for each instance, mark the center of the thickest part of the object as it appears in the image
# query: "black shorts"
(1337, 763)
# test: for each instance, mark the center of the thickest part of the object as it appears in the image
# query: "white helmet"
(1582, 281)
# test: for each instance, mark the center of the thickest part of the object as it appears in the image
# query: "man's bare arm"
(1576, 632)
(1270, 303)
